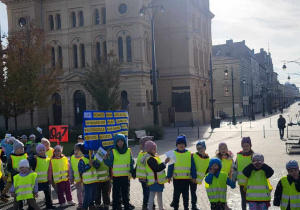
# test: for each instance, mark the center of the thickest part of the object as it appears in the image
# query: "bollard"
(264, 132)
(178, 131)
(287, 132)
(250, 123)
(198, 133)
(270, 123)
(230, 126)
(241, 131)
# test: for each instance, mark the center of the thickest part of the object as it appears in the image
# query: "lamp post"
(212, 100)
(262, 89)
(153, 9)
(232, 89)
(252, 101)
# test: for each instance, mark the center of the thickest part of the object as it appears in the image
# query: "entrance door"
(79, 106)
(57, 109)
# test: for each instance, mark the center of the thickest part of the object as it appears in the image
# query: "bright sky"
(258, 22)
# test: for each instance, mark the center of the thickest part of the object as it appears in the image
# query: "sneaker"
(106, 207)
(6, 196)
(3, 199)
(195, 208)
(63, 205)
(131, 206)
(72, 203)
(50, 207)
(172, 204)
(144, 207)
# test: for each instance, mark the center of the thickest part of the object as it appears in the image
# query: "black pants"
(243, 197)
(193, 189)
(145, 193)
(2, 185)
(181, 186)
(120, 184)
(217, 206)
(281, 132)
(102, 189)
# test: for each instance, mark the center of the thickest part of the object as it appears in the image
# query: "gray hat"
(23, 137)
(17, 144)
(32, 136)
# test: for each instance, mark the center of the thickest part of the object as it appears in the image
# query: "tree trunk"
(16, 118)
(31, 120)
(6, 123)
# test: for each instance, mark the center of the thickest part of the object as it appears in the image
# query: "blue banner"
(100, 127)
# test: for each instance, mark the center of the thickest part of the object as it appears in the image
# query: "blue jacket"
(210, 176)
(193, 167)
(82, 167)
(8, 147)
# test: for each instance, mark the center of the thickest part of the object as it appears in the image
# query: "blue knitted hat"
(181, 140)
(292, 164)
(202, 143)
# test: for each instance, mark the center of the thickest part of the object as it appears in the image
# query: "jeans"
(243, 197)
(145, 193)
(30, 202)
(281, 132)
(102, 190)
(90, 195)
(181, 186)
(120, 184)
(193, 189)
(80, 192)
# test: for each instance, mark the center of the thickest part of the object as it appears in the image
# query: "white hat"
(24, 163)
(80, 137)
(11, 139)
(7, 136)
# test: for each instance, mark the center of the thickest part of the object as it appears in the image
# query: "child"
(181, 172)
(201, 160)
(141, 171)
(59, 167)
(226, 158)
(258, 187)
(79, 140)
(87, 169)
(287, 192)
(74, 173)
(120, 159)
(25, 186)
(216, 185)
(40, 165)
(243, 159)
(156, 175)
(49, 150)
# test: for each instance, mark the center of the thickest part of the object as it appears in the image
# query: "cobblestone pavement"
(271, 147)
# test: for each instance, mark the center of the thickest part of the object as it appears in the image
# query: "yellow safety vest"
(24, 186)
(217, 190)
(74, 164)
(90, 176)
(242, 162)
(41, 169)
(258, 187)
(49, 152)
(140, 168)
(201, 167)
(161, 176)
(121, 164)
(182, 167)
(60, 169)
(289, 195)
(103, 172)
(16, 159)
(226, 165)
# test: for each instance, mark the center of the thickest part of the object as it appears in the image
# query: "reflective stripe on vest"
(226, 165)
(24, 186)
(182, 167)
(217, 190)
(42, 166)
(121, 164)
(16, 159)
(289, 195)
(49, 153)
(90, 176)
(74, 164)
(103, 172)
(140, 168)
(242, 162)
(60, 169)
(201, 167)
(161, 176)
(258, 187)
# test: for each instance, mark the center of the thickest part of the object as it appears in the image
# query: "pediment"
(74, 77)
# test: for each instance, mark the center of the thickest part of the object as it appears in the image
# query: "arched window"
(53, 56)
(60, 56)
(124, 100)
(128, 48)
(97, 17)
(57, 109)
(81, 19)
(58, 22)
(103, 15)
(98, 52)
(120, 48)
(51, 22)
(82, 51)
(73, 19)
(79, 106)
(105, 49)
(75, 58)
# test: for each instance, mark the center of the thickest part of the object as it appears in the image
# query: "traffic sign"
(58, 133)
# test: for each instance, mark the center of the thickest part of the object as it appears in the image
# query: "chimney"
(229, 42)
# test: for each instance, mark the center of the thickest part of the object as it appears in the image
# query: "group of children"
(93, 179)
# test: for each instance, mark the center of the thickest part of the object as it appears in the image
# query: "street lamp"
(284, 67)
(232, 88)
(153, 9)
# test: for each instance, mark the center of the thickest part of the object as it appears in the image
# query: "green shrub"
(156, 131)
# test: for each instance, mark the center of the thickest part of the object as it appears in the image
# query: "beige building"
(80, 32)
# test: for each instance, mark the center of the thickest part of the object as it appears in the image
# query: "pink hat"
(246, 140)
(149, 145)
(223, 144)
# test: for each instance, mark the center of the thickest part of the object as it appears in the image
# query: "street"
(271, 147)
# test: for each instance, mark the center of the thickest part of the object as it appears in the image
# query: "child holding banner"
(120, 159)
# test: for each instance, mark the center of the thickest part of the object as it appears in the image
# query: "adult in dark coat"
(281, 125)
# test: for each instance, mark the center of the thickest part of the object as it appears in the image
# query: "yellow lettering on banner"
(110, 122)
(95, 122)
(105, 136)
(98, 115)
(119, 121)
(124, 133)
(94, 129)
(113, 128)
(91, 137)
(109, 115)
(124, 126)
(121, 114)
(107, 143)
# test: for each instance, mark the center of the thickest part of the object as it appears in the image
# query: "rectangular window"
(226, 91)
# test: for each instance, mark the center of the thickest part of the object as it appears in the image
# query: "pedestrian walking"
(281, 126)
